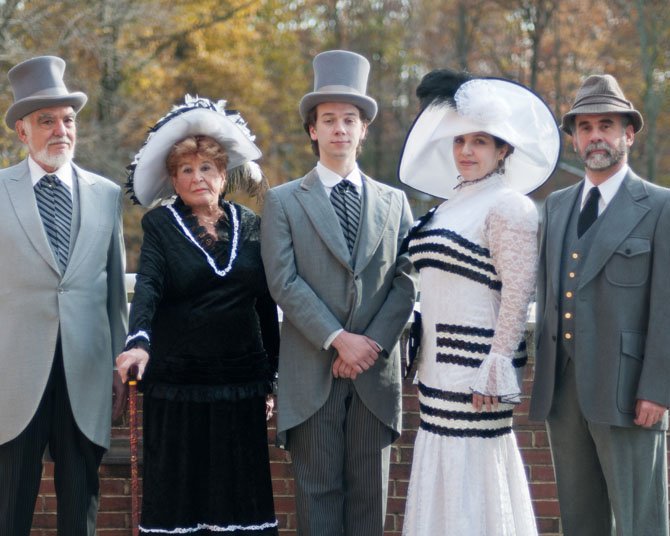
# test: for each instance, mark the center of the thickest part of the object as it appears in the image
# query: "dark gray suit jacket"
(622, 305)
(312, 278)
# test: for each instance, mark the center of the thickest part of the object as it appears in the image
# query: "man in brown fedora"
(63, 308)
(603, 343)
(330, 243)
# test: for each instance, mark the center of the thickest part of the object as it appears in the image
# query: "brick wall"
(114, 513)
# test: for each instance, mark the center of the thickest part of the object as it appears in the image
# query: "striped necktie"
(347, 205)
(55, 205)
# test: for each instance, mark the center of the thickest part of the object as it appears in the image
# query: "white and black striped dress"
(477, 260)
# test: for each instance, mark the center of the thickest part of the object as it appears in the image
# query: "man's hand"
(342, 370)
(119, 397)
(648, 413)
(356, 351)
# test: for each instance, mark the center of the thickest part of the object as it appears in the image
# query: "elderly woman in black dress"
(203, 329)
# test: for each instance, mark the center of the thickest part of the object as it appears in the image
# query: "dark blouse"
(202, 308)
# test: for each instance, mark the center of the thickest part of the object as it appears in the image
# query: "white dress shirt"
(608, 189)
(63, 173)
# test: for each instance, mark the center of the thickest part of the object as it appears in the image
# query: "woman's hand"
(134, 357)
(479, 401)
(269, 407)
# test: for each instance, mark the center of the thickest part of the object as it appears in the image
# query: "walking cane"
(134, 477)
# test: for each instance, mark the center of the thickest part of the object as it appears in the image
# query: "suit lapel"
(374, 218)
(621, 216)
(316, 204)
(89, 206)
(22, 197)
(558, 217)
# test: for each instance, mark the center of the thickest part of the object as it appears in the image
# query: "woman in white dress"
(481, 144)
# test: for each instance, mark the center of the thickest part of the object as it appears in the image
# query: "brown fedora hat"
(38, 83)
(601, 94)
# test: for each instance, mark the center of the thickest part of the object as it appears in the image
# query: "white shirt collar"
(63, 173)
(330, 179)
(608, 189)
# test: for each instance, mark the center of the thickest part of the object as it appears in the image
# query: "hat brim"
(151, 180)
(568, 121)
(26, 106)
(427, 160)
(365, 103)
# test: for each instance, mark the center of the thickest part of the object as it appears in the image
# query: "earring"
(501, 166)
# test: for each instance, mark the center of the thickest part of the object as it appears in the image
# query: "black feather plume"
(439, 86)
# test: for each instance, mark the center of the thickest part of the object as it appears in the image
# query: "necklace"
(462, 182)
(209, 221)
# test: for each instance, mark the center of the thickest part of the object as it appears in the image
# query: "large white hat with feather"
(501, 108)
(148, 178)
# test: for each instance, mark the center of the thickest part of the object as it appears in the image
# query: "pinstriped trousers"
(341, 458)
(76, 462)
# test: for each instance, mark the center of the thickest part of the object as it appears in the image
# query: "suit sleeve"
(391, 319)
(117, 304)
(296, 298)
(655, 378)
(148, 285)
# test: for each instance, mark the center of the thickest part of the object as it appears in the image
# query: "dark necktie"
(55, 205)
(347, 205)
(589, 212)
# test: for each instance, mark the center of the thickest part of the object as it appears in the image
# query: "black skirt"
(206, 468)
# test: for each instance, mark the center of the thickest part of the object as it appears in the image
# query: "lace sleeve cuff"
(497, 377)
(138, 339)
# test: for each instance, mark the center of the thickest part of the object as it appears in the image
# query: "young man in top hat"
(63, 309)
(603, 305)
(330, 243)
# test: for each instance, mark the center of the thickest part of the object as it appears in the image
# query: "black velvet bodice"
(210, 324)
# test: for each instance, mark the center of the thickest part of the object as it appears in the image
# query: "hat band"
(602, 99)
(337, 89)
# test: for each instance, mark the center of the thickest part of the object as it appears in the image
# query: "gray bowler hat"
(601, 94)
(38, 83)
(340, 76)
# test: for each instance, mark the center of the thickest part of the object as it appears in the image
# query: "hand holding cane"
(134, 473)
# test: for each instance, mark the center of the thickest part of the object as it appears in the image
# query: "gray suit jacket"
(320, 289)
(622, 305)
(87, 304)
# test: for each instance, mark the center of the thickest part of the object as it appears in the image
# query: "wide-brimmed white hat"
(501, 108)
(148, 177)
(340, 76)
(38, 83)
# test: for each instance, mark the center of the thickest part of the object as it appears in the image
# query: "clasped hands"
(355, 354)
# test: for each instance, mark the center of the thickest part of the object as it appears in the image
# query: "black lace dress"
(202, 309)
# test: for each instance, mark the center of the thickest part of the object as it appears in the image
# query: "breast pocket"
(629, 265)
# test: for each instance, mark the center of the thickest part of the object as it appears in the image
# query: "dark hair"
(310, 121)
(202, 146)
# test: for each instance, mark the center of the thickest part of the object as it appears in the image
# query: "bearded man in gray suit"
(63, 308)
(330, 243)
(603, 333)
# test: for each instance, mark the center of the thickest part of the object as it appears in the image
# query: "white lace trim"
(141, 334)
(207, 526)
(233, 248)
(497, 377)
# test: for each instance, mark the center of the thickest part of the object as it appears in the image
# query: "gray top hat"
(601, 94)
(340, 76)
(38, 83)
